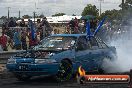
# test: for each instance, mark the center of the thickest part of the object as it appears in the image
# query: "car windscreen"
(57, 42)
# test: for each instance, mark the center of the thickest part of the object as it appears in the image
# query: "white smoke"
(123, 46)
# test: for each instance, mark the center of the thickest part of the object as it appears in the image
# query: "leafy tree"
(59, 14)
(112, 14)
(73, 15)
(3, 17)
(15, 18)
(41, 16)
(26, 16)
(90, 10)
(127, 5)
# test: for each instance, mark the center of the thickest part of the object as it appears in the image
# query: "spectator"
(32, 42)
(82, 26)
(17, 40)
(67, 29)
(93, 24)
(4, 26)
(76, 25)
(23, 40)
(3, 41)
(46, 27)
(10, 34)
(39, 29)
(72, 25)
(12, 23)
(22, 23)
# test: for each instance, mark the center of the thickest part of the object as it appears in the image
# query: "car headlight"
(40, 61)
(11, 61)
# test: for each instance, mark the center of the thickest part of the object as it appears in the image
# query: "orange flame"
(81, 71)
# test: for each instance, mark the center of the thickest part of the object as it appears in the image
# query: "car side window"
(82, 43)
(93, 43)
(101, 44)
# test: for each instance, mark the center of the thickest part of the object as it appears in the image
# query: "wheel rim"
(65, 71)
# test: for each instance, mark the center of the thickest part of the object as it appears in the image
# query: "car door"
(97, 54)
(82, 53)
(103, 48)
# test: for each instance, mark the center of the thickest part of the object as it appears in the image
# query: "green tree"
(41, 16)
(3, 17)
(59, 14)
(73, 15)
(26, 16)
(127, 10)
(127, 5)
(112, 14)
(90, 10)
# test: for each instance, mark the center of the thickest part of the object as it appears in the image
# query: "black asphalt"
(48, 82)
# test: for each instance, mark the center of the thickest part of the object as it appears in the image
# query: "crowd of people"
(20, 35)
(76, 26)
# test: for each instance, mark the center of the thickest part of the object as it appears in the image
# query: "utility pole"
(100, 8)
(34, 16)
(34, 12)
(8, 12)
(19, 14)
(123, 5)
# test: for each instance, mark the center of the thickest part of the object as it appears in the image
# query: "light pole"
(122, 5)
(37, 12)
(19, 14)
(34, 16)
(8, 12)
(100, 8)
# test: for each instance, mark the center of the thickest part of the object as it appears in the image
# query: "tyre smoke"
(123, 43)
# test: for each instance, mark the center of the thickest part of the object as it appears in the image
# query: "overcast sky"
(50, 7)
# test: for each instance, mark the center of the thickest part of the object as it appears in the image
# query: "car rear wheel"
(65, 71)
(22, 77)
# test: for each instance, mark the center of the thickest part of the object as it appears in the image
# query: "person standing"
(39, 29)
(72, 25)
(17, 40)
(12, 23)
(3, 41)
(32, 35)
(22, 23)
(76, 25)
(46, 27)
(32, 42)
(23, 40)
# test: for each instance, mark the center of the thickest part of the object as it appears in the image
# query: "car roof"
(69, 35)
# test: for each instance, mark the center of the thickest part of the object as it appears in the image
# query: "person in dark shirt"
(72, 25)
(12, 23)
(39, 29)
(76, 25)
(4, 26)
(46, 27)
(23, 39)
(22, 23)
(93, 25)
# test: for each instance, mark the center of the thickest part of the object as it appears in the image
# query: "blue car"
(60, 55)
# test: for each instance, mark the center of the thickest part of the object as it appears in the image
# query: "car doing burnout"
(60, 55)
